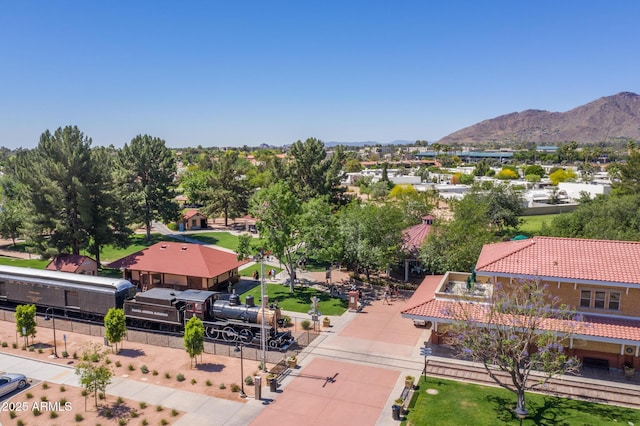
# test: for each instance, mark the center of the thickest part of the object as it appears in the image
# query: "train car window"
(198, 307)
(71, 298)
(190, 307)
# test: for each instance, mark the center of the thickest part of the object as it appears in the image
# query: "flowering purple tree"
(521, 330)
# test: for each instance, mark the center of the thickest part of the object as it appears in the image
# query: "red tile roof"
(191, 213)
(414, 236)
(619, 329)
(564, 258)
(194, 260)
(68, 262)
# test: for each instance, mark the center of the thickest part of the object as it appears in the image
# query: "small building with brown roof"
(412, 239)
(193, 219)
(73, 263)
(180, 266)
(599, 279)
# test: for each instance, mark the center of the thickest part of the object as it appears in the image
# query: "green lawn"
(247, 272)
(138, 242)
(532, 224)
(460, 403)
(223, 239)
(24, 263)
(300, 300)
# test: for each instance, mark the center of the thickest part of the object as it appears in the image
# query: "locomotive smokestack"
(250, 302)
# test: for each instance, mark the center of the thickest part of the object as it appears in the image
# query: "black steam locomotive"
(90, 297)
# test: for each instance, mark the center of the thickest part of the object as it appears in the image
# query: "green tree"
(310, 173)
(146, 172)
(510, 335)
(225, 191)
(627, 175)
(278, 211)
(55, 174)
(194, 338)
(244, 246)
(352, 165)
(482, 168)
(115, 325)
(534, 169)
(318, 229)
(11, 219)
(101, 209)
(95, 374)
(370, 235)
(26, 320)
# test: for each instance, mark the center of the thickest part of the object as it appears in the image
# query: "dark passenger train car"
(84, 294)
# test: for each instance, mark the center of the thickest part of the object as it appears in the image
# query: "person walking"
(386, 298)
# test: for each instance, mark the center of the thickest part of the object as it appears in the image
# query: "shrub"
(101, 395)
(167, 375)
(12, 414)
(40, 350)
(43, 398)
(155, 372)
(144, 369)
(305, 324)
(84, 392)
(31, 349)
(193, 381)
(75, 356)
(286, 321)
(107, 361)
(208, 383)
(14, 345)
(45, 385)
(163, 422)
(62, 388)
(5, 344)
(235, 387)
(131, 367)
(29, 395)
(145, 422)
(65, 354)
(107, 413)
(120, 400)
(134, 414)
(63, 401)
(36, 412)
(53, 414)
(122, 422)
(20, 423)
(180, 377)
(222, 386)
(118, 364)
(159, 408)
(248, 380)
(174, 412)
(79, 417)
(143, 405)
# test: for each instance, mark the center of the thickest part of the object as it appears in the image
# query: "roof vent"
(162, 247)
(183, 248)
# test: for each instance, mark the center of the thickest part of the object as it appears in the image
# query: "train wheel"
(246, 335)
(229, 334)
(213, 332)
(273, 343)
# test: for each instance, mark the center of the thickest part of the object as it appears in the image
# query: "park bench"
(596, 363)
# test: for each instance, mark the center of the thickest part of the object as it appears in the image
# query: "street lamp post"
(521, 413)
(263, 334)
(53, 322)
(239, 348)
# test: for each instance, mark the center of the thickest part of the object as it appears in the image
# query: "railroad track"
(567, 387)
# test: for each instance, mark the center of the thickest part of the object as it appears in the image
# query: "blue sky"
(230, 73)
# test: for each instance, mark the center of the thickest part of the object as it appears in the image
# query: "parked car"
(10, 382)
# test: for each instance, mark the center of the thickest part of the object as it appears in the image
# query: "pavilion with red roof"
(181, 266)
(412, 239)
(600, 279)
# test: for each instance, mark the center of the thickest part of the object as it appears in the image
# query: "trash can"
(395, 411)
(273, 385)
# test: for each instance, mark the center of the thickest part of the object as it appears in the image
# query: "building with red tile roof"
(73, 263)
(181, 266)
(194, 219)
(412, 239)
(599, 279)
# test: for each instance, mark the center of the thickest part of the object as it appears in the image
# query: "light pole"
(263, 334)
(239, 348)
(521, 413)
(53, 322)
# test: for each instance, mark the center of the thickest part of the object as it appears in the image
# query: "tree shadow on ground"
(131, 353)
(210, 367)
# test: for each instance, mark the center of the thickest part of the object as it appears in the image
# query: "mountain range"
(604, 120)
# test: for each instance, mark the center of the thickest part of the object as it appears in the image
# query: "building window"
(600, 299)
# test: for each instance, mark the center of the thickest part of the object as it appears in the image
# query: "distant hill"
(606, 119)
(368, 143)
